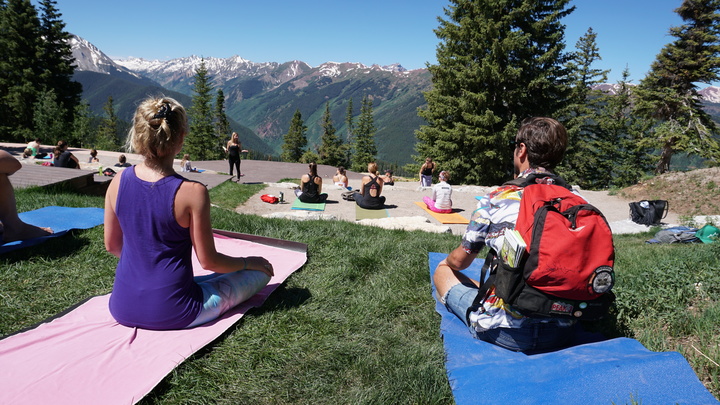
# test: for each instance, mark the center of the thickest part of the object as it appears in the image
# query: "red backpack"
(567, 267)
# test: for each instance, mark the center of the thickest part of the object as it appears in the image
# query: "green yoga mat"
(299, 205)
(362, 213)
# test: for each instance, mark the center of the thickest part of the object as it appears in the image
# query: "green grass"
(356, 324)
(229, 195)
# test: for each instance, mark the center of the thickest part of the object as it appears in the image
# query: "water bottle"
(282, 197)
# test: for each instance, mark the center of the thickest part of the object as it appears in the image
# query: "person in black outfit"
(311, 187)
(234, 147)
(122, 162)
(369, 195)
(426, 173)
(64, 158)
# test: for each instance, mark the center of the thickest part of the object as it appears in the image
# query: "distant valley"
(261, 98)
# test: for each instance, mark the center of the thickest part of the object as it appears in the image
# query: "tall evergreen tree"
(624, 156)
(19, 69)
(48, 116)
(499, 62)
(56, 60)
(582, 157)
(364, 147)
(295, 140)
(222, 124)
(332, 150)
(669, 92)
(349, 129)
(201, 143)
(82, 130)
(107, 138)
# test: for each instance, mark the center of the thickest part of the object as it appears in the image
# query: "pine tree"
(626, 157)
(364, 146)
(107, 138)
(82, 130)
(350, 128)
(201, 143)
(583, 155)
(332, 150)
(19, 70)
(48, 115)
(499, 62)
(56, 60)
(222, 124)
(295, 140)
(668, 93)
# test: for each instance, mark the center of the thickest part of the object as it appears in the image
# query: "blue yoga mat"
(602, 372)
(59, 219)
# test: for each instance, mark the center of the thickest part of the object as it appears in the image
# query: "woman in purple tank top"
(153, 219)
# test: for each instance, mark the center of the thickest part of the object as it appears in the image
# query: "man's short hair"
(545, 140)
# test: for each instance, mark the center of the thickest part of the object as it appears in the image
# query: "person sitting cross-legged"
(310, 190)
(154, 220)
(441, 201)
(540, 146)
(368, 196)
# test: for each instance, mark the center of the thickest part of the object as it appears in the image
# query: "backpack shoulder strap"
(489, 264)
(532, 178)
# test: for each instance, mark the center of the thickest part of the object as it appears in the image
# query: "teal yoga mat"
(299, 205)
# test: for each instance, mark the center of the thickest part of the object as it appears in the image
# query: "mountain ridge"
(264, 96)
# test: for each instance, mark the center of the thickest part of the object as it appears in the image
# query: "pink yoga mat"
(85, 357)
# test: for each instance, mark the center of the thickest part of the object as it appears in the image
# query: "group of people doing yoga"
(155, 219)
(368, 195)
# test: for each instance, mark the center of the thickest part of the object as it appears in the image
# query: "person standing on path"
(234, 147)
(426, 172)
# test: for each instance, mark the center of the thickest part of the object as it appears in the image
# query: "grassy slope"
(356, 324)
(691, 193)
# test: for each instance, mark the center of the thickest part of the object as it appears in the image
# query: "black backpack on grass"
(648, 212)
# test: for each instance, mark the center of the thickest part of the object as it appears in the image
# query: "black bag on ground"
(648, 212)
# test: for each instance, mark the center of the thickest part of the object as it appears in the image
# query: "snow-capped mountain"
(610, 88)
(223, 70)
(89, 58)
(711, 94)
(277, 91)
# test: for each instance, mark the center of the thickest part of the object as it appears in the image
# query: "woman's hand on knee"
(260, 264)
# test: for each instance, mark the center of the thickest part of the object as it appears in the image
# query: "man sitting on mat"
(369, 196)
(12, 228)
(539, 146)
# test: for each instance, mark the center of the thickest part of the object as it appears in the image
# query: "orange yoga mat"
(453, 218)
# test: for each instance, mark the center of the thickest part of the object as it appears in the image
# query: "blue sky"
(630, 32)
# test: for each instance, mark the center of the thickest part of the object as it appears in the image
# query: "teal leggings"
(222, 292)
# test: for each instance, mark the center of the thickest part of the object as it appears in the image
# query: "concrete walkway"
(400, 198)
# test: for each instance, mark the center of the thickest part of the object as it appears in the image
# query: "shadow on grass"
(53, 248)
